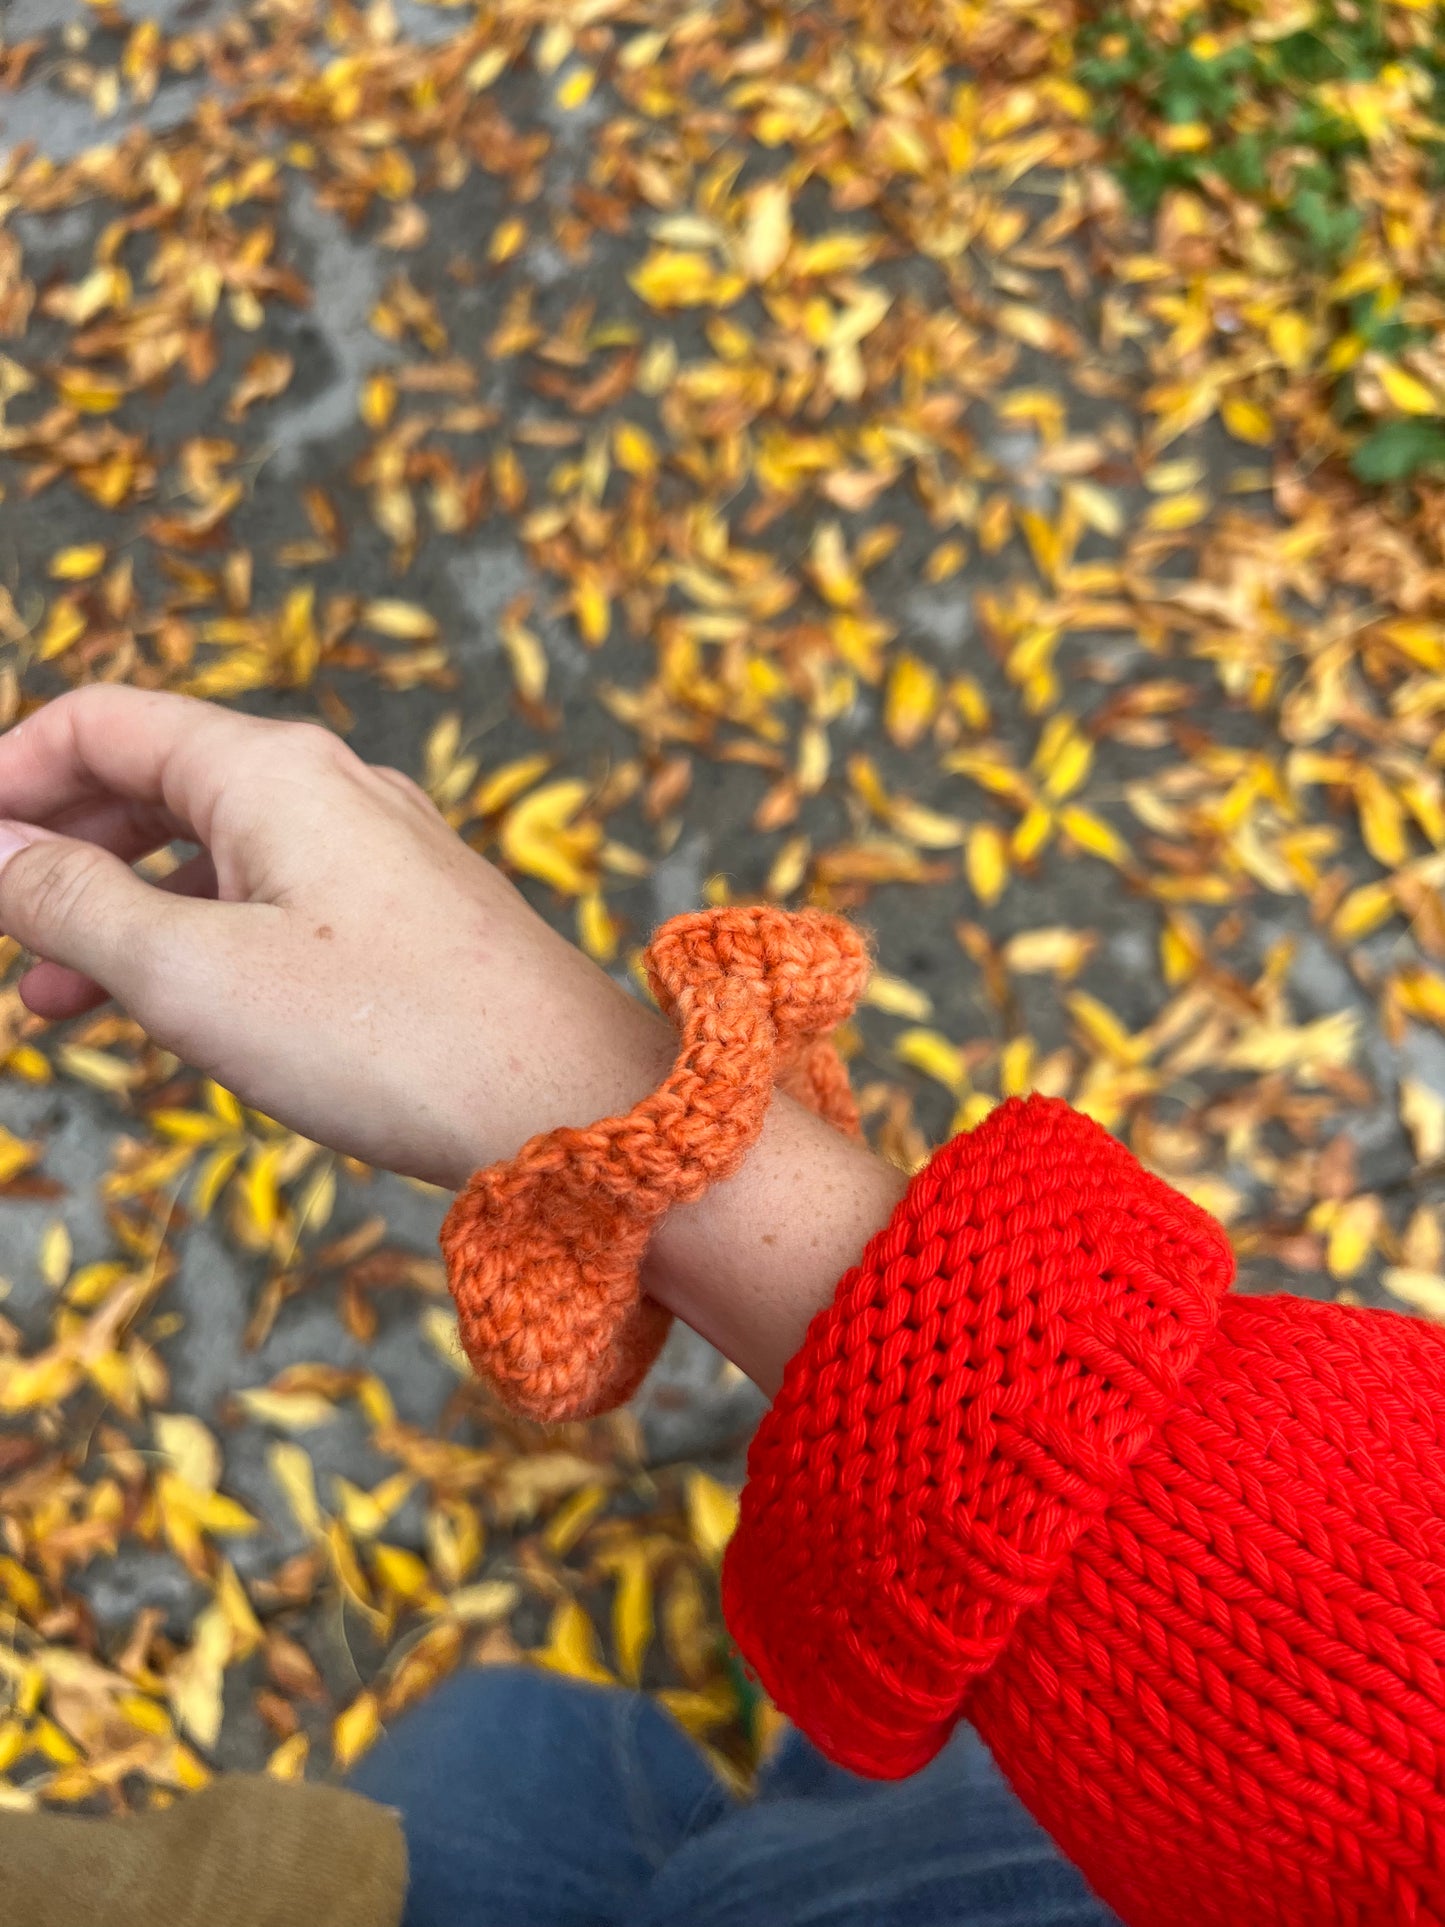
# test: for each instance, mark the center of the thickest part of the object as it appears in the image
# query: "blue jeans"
(531, 1801)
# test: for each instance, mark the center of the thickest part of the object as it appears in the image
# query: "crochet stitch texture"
(1179, 1556)
(544, 1252)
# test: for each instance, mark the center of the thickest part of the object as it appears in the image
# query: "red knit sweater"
(1180, 1556)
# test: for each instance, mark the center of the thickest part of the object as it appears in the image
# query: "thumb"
(78, 905)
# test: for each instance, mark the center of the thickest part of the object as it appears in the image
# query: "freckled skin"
(446, 1023)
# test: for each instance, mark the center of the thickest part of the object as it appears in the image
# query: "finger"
(55, 991)
(50, 990)
(79, 906)
(146, 746)
(128, 830)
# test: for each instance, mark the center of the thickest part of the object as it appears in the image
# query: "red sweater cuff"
(955, 1420)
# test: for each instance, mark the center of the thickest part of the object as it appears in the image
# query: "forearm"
(751, 1262)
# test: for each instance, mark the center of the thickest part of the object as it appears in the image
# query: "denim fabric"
(532, 1801)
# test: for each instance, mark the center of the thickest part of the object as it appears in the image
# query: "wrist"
(561, 1044)
(757, 1256)
(751, 1259)
(750, 1262)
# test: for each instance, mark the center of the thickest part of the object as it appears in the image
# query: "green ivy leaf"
(1397, 450)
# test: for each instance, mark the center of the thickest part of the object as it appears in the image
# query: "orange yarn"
(544, 1252)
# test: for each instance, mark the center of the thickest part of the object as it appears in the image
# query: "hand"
(335, 954)
(339, 958)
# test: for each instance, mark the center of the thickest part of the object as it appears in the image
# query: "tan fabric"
(245, 1852)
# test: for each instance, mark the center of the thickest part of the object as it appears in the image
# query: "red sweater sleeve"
(1179, 1556)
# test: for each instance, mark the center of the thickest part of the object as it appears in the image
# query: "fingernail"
(11, 840)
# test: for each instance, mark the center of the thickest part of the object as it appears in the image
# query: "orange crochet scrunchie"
(544, 1252)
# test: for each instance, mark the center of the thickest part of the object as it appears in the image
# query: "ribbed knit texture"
(544, 1252)
(1180, 1557)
